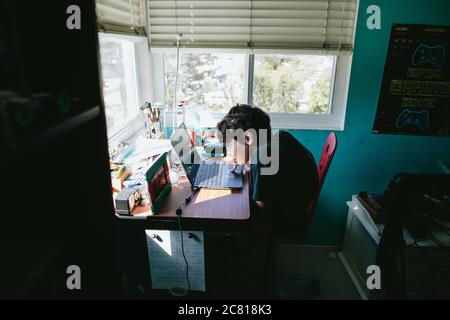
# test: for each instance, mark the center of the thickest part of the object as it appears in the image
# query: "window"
(297, 56)
(120, 89)
(302, 91)
(208, 82)
(299, 91)
(293, 84)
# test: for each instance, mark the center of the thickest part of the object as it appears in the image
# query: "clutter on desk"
(154, 120)
(134, 181)
(212, 147)
(208, 134)
(145, 189)
(118, 152)
(118, 176)
(143, 149)
(127, 200)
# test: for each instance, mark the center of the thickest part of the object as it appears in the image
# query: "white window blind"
(121, 16)
(313, 24)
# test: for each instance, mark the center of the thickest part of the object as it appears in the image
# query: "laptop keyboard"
(209, 174)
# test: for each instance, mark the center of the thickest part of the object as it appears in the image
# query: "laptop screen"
(188, 155)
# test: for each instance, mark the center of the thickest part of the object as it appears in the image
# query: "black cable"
(179, 212)
(182, 250)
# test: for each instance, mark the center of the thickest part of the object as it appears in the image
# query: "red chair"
(325, 161)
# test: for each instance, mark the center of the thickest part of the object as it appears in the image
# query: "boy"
(281, 193)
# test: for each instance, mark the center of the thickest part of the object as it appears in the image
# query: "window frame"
(333, 120)
(144, 87)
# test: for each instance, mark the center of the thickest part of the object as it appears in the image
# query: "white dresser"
(359, 249)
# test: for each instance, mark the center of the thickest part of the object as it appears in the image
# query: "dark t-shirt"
(291, 189)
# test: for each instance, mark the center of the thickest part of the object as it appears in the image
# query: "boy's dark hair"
(244, 116)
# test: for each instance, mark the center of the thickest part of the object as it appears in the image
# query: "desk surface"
(205, 204)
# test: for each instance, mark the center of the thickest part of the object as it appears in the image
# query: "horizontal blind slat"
(261, 22)
(244, 30)
(121, 16)
(255, 4)
(264, 23)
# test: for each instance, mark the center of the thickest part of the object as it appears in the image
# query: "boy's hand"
(237, 169)
(233, 166)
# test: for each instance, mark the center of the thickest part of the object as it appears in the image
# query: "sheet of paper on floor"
(167, 265)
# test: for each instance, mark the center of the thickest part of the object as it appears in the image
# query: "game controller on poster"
(415, 92)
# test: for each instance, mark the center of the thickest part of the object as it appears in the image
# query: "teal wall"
(365, 161)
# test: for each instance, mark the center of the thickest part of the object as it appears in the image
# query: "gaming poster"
(415, 92)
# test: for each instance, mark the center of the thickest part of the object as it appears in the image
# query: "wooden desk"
(205, 204)
(221, 215)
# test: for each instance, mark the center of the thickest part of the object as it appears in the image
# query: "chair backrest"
(327, 156)
(325, 160)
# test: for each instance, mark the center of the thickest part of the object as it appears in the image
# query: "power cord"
(178, 291)
(182, 249)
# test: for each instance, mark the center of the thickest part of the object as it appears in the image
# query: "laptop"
(203, 174)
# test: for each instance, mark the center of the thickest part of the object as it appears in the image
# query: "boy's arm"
(261, 193)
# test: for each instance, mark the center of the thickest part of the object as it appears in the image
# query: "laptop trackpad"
(231, 180)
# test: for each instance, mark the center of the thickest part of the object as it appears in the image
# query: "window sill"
(306, 121)
(278, 121)
(126, 131)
